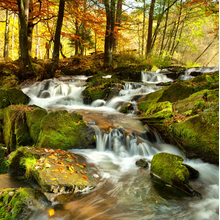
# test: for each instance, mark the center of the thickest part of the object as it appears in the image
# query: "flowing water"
(124, 192)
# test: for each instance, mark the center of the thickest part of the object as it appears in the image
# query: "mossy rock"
(198, 136)
(15, 128)
(17, 204)
(98, 88)
(158, 113)
(3, 162)
(60, 131)
(16, 96)
(61, 172)
(208, 77)
(12, 96)
(200, 100)
(34, 118)
(169, 168)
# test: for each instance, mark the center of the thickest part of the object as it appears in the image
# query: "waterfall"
(192, 72)
(122, 144)
(154, 77)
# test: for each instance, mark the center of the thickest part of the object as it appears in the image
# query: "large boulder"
(21, 125)
(56, 171)
(189, 120)
(169, 168)
(100, 88)
(12, 96)
(21, 203)
(60, 130)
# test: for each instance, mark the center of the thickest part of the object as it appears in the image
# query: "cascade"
(122, 144)
(154, 77)
(192, 72)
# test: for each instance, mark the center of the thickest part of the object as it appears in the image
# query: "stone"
(56, 171)
(169, 168)
(142, 163)
(60, 130)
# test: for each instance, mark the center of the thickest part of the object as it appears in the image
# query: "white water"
(202, 70)
(154, 77)
(124, 192)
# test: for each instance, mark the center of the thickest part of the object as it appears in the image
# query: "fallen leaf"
(53, 178)
(85, 177)
(51, 212)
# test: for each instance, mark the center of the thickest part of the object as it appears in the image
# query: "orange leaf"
(85, 177)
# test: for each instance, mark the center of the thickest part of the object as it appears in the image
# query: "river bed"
(125, 192)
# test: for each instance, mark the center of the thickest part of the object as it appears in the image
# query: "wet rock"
(60, 130)
(21, 125)
(184, 113)
(193, 173)
(12, 96)
(20, 203)
(66, 173)
(142, 163)
(169, 168)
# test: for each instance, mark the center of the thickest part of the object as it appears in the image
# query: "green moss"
(159, 107)
(34, 118)
(169, 168)
(16, 96)
(60, 131)
(3, 163)
(18, 202)
(200, 134)
(29, 163)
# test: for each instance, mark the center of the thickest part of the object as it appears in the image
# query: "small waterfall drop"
(154, 77)
(122, 144)
(189, 73)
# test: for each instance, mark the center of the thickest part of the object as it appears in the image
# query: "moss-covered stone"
(15, 129)
(169, 168)
(201, 100)
(3, 161)
(12, 96)
(187, 125)
(98, 88)
(17, 204)
(16, 96)
(199, 135)
(34, 118)
(60, 131)
(62, 171)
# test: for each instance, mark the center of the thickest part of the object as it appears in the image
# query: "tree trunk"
(25, 63)
(150, 27)
(143, 28)
(56, 50)
(164, 31)
(6, 45)
(76, 41)
(118, 22)
(109, 34)
(61, 51)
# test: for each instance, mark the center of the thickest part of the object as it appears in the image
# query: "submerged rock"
(20, 203)
(56, 171)
(142, 163)
(169, 168)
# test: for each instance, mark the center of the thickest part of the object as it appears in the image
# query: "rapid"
(124, 192)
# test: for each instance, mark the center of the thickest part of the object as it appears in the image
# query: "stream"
(124, 192)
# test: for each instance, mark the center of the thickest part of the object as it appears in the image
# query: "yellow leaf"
(51, 212)
(53, 178)
(94, 137)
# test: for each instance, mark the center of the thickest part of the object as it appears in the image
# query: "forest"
(154, 33)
